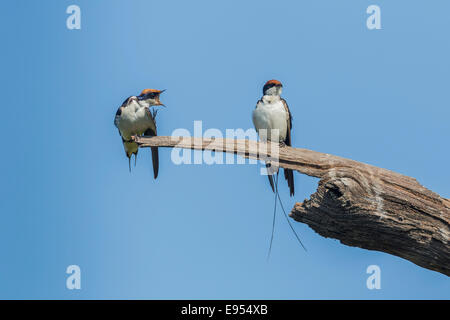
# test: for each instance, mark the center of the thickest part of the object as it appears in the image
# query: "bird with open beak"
(134, 118)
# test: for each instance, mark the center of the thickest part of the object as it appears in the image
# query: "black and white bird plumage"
(134, 118)
(272, 113)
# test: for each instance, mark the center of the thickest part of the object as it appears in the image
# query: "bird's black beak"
(161, 104)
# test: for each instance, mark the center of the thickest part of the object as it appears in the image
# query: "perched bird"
(134, 118)
(272, 113)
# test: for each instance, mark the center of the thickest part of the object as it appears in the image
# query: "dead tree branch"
(359, 204)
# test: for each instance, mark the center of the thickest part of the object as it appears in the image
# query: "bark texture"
(359, 204)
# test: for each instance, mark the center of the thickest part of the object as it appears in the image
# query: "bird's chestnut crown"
(151, 92)
(272, 87)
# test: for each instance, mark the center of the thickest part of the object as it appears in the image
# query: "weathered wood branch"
(359, 204)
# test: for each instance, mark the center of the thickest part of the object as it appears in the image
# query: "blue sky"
(201, 231)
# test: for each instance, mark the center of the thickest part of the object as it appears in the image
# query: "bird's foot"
(282, 144)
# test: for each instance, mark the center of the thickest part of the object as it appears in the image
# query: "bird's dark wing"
(288, 173)
(289, 124)
(155, 154)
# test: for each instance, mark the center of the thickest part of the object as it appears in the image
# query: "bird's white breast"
(270, 115)
(134, 120)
